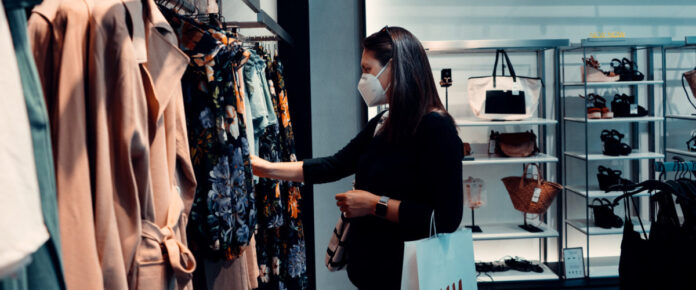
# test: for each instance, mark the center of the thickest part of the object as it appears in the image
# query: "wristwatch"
(381, 208)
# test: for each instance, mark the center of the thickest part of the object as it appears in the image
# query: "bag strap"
(540, 178)
(433, 226)
(509, 64)
(683, 86)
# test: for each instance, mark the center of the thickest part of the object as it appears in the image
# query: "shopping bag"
(440, 262)
(503, 97)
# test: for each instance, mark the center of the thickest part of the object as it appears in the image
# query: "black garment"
(424, 173)
(667, 259)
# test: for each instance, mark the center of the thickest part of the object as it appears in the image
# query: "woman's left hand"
(357, 203)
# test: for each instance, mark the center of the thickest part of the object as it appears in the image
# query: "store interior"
(627, 118)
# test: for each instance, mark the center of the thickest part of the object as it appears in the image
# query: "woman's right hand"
(259, 166)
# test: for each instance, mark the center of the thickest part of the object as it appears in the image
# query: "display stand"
(528, 227)
(577, 117)
(543, 120)
(474, 228)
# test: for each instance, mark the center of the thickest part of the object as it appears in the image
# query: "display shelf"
(480, 159)
(613, 84)
(510, 45)
(682, 117)
(604, 267)
(581, 225)
(682, 152)
(471, 122)
(595, 192)
(626, 42)
(512, 275)
(600, 157)
(616, 120)
(510, 231)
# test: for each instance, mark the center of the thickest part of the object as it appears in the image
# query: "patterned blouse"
(224, 208)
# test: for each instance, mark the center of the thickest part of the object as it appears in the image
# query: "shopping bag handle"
(433, 226)
(509, 64)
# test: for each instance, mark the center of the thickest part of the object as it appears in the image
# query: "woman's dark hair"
(413, 91)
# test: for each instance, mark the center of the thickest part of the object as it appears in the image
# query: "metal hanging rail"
(675, 166)
(510, 45)
(263, 20)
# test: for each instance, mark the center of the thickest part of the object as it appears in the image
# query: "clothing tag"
(515, 93)
(491, 147)
(634, 109)
(516, 88)
(537, 194)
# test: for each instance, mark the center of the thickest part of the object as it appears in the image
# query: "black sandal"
(604, 216)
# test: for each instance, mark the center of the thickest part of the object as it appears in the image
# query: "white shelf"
(581, 225)
(681, 152)
(616, 120)
(513, 275)
(511, 231)
(612, 84)
(682, 117)
(479, 122)
(595, 192)
(632, 156)
(480, 159)
(604, 267)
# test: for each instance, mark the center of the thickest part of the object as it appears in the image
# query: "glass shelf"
(480, 159)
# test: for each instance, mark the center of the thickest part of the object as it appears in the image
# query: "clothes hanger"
(648, 185)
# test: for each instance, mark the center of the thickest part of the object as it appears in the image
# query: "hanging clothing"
(142, 174)
(281, 244)
(46, 270)
(662, 260)
(224, 209)
(20, 189)
(58, 33)
(262, 111)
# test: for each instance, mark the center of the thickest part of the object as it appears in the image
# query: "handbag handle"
(524, 175)
(433, 226)
(683, 86)
(509, 64)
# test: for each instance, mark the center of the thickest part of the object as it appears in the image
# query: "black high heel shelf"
(611, 141)
(604, 216)
(627, 70)
(624, 106)
(607, 177)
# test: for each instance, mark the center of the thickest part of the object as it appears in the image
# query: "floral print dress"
(223, 215)
(280, 235)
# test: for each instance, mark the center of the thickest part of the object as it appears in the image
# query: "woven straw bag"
(529, 195)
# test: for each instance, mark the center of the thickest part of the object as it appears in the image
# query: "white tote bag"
(505, 98)
(442, 261)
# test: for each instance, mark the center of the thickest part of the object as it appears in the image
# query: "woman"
(407, 162)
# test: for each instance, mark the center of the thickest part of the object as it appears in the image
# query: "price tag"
(634, 109)
(536, 195)
(491, 147)
(516, 88)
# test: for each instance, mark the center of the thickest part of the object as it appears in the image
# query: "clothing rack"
(180, 4)
(675, 166)
(263, 20)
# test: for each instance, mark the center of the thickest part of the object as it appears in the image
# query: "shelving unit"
(543, 121)
(689, 43)
(585, 190)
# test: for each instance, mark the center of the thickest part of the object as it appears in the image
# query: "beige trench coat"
(144, 181)
(58, 34)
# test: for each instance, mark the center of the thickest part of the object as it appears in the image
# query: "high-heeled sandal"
(604, 216)
(594, 73)
(612, 143)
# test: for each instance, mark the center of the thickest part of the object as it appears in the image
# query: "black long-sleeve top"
(424, 173)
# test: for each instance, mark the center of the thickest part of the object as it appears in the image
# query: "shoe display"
(523, 265)
(611, 141)
(607, 177)
(626, 69)
(604, 216)
(624, 106)
(594, 74)
(598, 107)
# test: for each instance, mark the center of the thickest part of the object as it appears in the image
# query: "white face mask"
(371, 89)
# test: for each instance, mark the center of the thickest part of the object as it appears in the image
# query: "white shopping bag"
(440, 262)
